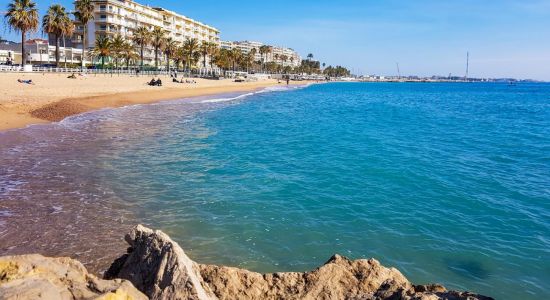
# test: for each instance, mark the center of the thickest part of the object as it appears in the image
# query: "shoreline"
(23, 105)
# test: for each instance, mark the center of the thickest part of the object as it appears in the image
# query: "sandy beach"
(54, 97)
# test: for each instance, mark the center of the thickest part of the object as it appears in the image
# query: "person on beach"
(72, 76)
(25, 81)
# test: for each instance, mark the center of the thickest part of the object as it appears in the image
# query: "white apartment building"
(39, 52)
(293, 58)
(112, 17)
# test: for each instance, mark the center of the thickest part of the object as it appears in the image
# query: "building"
(277, 54)
(39, 52)
(123, 17)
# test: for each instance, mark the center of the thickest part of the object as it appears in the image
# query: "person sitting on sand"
(175, 80)
(25, 81)
(153, 82)
(72, 76)
(159, 82)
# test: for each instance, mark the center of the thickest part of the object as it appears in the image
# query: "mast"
(398, 72)
(467, 65)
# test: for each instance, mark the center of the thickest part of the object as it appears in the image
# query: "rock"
(38, 277)
(157, 266)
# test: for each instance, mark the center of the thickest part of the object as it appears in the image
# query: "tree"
(158, 37)
(129, 54)
(205, 49)
(235, 55)
(102, 49)
(310, 57)
(116, 48)
(191, 50)
(284, 58)
(264, 50)
(142, 37)
(221, 59)
(170, 48)
(22, 16)
(84, 13)
(338, 71)
(57, 22)
(213, 51)
(179, 56)
(248, 59)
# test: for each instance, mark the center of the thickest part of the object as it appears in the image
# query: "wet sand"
(54, 97)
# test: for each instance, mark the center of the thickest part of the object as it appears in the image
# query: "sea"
(448, 182)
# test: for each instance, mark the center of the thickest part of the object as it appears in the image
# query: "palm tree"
(84, 13)
(222, 59)
(234, 56)
(213, 51)
(170, 48)
(191, 50)
(284, 58)
(269, 51)
(128, 53)
(252, 55)
(116, 47)
(158, 36)
(102, 49)
(276, 57)
(142, 37)
(204, 49)
(22, 16)
(263, 51)
(248, 60)
(179, 56)
(310, 56)
(57, 22)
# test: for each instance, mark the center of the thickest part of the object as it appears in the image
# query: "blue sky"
(504, 37)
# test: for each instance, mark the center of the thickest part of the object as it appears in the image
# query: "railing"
(200, 72)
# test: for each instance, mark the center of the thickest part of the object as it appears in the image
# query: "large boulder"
(38, 277)
(158, 266)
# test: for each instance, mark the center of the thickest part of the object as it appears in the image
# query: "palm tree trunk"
(156, 58)
(204, 61)
(83, 48)
(23, 54)
(142, 46)
(57, 51)
(168, 62)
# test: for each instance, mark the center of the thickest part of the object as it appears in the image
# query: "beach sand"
(54, 97)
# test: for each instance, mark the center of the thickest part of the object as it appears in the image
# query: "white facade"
(122, 17)
(293, 59)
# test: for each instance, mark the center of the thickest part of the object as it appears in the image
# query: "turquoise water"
(450, 183)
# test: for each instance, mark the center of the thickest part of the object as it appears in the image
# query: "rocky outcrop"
(157, 266)
(38, 277)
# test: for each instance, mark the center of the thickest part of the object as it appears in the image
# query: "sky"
(505, 38)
